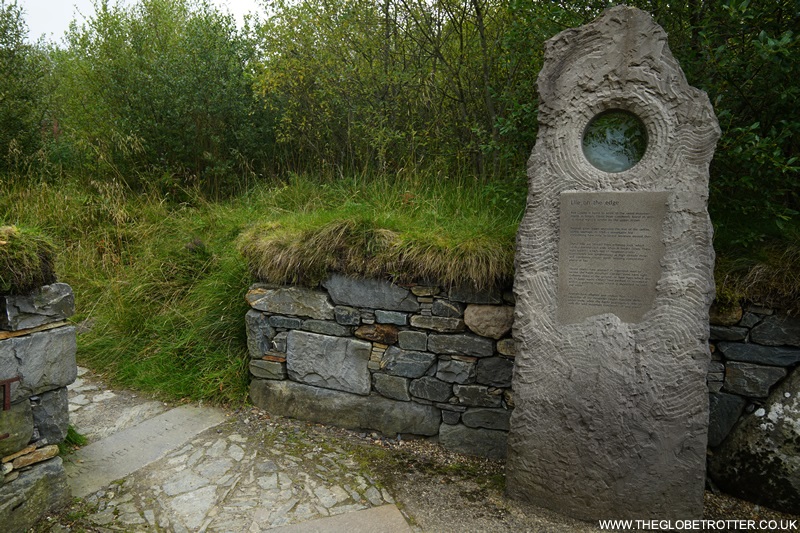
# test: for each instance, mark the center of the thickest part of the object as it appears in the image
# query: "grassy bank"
(160, 285)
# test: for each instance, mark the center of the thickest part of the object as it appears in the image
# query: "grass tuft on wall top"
(26, 260)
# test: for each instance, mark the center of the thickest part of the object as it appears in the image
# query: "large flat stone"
(45, 361)
(762, 355)
(48, 304)
(370, 293)
(98, 464)
(51, 415)
(471, 441)
(17, 423)
(406, 363)
(750, 380)
(777, 330)
(460, 344)
(386, 519)
(724, 411)
(390, 417)
(331, 362)
(296, 301)
(39, 490)
(259, 333)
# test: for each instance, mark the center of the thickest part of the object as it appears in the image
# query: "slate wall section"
(37, 362)
(369, 354)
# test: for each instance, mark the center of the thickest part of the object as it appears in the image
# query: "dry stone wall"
(37, 362)
(369, 354)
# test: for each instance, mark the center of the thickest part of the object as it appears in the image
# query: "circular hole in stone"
(615, 140)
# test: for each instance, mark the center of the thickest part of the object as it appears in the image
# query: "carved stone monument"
(614, 278)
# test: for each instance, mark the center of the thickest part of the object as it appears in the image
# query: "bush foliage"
(26, 260)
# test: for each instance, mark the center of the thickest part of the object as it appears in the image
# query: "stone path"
(207, 473)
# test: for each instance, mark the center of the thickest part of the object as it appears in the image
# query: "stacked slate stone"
(754, 427)
(37, 362)
(369, 354)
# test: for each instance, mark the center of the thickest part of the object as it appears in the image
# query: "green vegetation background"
(153, 136)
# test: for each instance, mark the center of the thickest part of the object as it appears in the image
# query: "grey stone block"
(406, 363)
(749, 320)
(51, 416)
(48, 304)
(393, 387)
(259, 333)
(495, 371)
(45, 360)
(268, 369)
(391, 317)
(17, 422)
(432, 389)
(438, 323)
(460, 344)
(477, 396)
(447, 308)
(481, 442)
(413, 340)
(480, 417)
(492, 321)
(751, 380)
(285, 322)
(370, 293)
(390, 417)
(295, 301)
(39, 490)
(507, 347)
(331, 362)
(724, 412)
(324, 327)
(756, 353)
(728, 333)
(451, 417)
(777, 330)
(456, 371)
(347, 316)
(279, 342)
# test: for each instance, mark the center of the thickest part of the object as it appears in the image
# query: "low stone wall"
(37, 362)
(368, 354)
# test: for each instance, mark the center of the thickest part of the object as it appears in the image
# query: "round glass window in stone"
(615, 140)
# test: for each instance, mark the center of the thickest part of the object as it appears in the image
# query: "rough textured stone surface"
(347, 316)
(413, 340)
(725, 316)
(480, 417)
(751, 380)
(447, 308)
(288, 322)
(728, 333)
(382, 333)
(268, 369)
(370, 293)
(36, 456)
(438, 323)
(755, 353)
(17, 422)
(489, 320)
(45, 360)
(471, 295)
(451, 417)
(331, 362)
(574, 383)
(432, 389)
(406, 363)
(51, 415)
(495, 371)
(393, 387)
(259, 333)
(45, 305)
(759, 461)
(323, 327)
(391, 317)
(749, 320)
(464, 344)
(456, 371)
(290, 301)
(471, 441)
(476, 395)
(36, 492)
(390, 417)
(777, 330)
(507, 347)
(724, 412)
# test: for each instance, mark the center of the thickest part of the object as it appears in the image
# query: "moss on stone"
(26, 260)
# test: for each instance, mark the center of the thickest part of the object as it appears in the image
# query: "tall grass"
(160, 285)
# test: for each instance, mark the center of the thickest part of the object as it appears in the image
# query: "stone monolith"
(614, 279)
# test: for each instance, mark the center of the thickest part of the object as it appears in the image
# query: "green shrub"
(26, 260)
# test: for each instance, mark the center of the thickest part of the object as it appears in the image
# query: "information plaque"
(609, 253)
